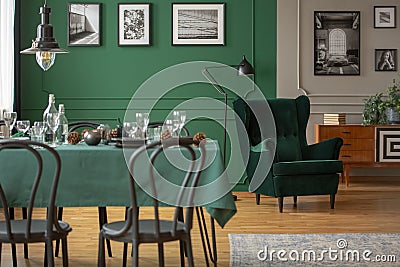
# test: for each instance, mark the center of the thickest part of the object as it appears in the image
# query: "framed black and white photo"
(384, 17)
(385, 59)
(84, 24)
(198, 24)
(133, 24)
(337, 43)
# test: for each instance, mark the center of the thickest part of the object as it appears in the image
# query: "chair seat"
(18, 228)
(147, 231)
(308, 167)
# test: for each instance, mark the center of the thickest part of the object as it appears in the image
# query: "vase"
(392, 116)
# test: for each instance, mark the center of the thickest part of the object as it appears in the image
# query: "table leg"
(103, 220)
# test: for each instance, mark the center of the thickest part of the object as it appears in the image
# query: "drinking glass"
(41, 128)
(36, 134)
(23, 126)
(180, 116)
(142, 120)
(168, 126)
(175, 127)
(9, 120)
(130, 128)
(52, 122)
(153, 134)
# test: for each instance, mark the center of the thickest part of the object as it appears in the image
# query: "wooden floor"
(368, 205)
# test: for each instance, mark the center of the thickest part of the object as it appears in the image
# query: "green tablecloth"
(92, 176)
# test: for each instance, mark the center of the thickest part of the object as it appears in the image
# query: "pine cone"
(165, 134)
(199, 137)
(73, 138)
(114, 133)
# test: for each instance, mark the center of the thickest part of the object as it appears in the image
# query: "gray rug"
(315, 249)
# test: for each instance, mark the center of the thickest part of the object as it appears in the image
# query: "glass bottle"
(62, 132)
(51, 108)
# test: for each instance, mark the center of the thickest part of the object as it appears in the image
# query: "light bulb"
(45, 59)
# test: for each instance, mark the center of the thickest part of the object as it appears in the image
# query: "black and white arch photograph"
(198, 24)
(336, 43)
(84, 24)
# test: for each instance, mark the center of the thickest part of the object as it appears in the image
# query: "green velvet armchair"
(298, 169)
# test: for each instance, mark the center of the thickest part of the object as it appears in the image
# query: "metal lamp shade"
(245, 68)
(45, 45)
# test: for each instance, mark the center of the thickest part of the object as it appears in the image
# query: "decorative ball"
(199, 137)
(92, 138)
(83, 133)
(73, 138)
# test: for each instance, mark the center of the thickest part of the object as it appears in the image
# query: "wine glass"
(23, 126)
(142, 120)
(130, 128)
(52, 122)
(180, 116)
(9, 120)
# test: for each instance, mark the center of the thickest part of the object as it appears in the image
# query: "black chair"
(80, 124)
(155, 230)
(35, 230)
(73, 126)
(2, 123)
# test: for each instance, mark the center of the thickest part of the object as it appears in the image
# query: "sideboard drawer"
(346, 132)
(358, 144)
(359, 155)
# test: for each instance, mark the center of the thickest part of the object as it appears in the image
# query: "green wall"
(96, 83)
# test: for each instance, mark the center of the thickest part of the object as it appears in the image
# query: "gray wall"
(331, 94)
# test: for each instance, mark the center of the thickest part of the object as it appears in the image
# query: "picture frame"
(384, 16)
(134, 24)
(336, 43)
(84, 24)
(385, 59)
(198, 24)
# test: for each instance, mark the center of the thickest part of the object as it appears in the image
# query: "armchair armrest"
(327, 149)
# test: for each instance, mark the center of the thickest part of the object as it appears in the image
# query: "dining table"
(97, 176)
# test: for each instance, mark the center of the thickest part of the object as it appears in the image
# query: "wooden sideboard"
(359, 145)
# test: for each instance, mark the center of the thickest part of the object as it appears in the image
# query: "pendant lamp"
(45, 46)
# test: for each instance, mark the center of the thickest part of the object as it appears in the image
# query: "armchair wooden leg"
(280, 204)
(332, 201)
(295, 201)
(258, 199)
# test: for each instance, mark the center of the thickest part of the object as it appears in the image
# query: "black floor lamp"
(244, 69)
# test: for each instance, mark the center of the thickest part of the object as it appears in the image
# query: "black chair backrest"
(38, 154)
(187, 186)
(154, 124)
(2, 123)
(80, 124)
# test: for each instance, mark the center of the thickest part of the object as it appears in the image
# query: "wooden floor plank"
(368, 205)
